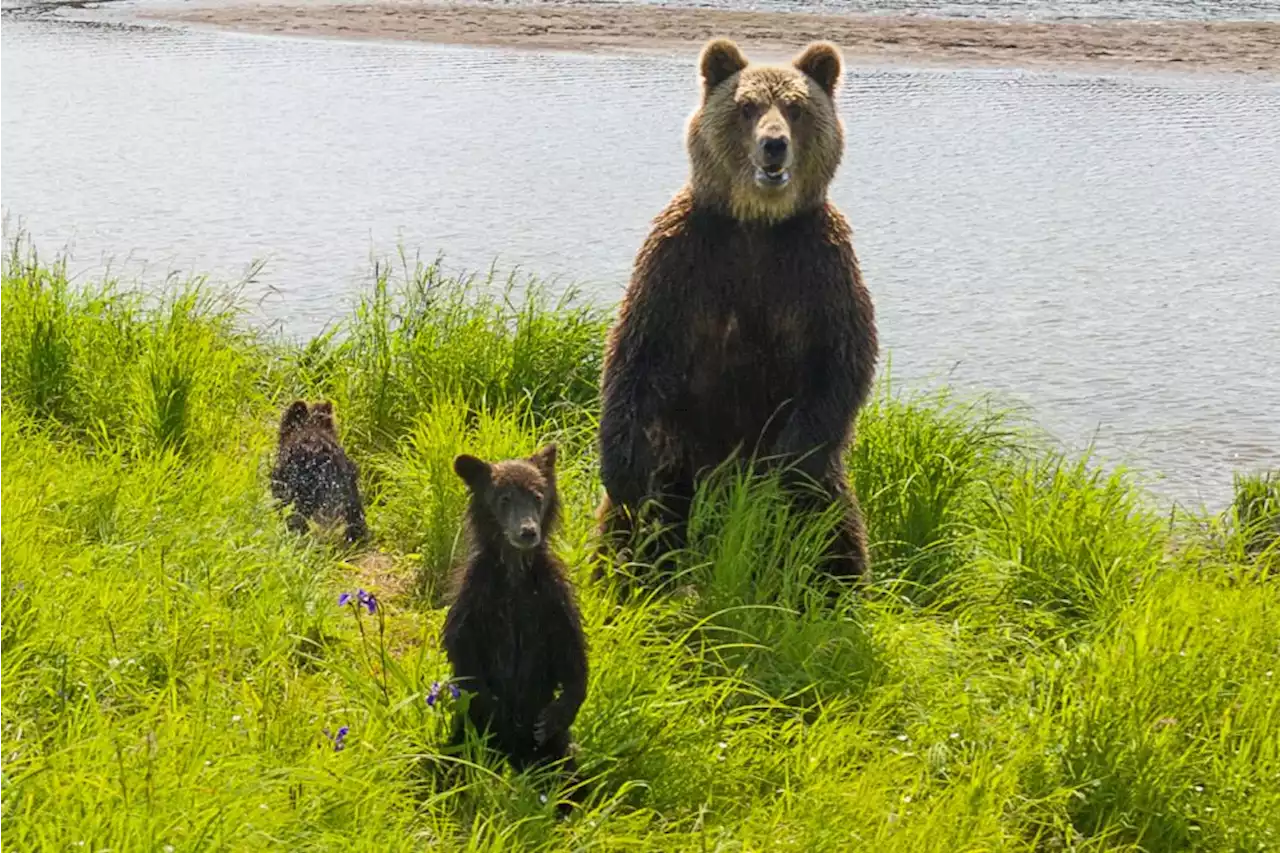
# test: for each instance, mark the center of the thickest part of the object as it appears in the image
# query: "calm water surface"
(1104, 249)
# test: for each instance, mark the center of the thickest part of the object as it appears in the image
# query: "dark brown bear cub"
(513, 634)
(312, 472)
(746, 328)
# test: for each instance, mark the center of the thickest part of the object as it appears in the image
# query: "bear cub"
(513, 634)
(312, 472)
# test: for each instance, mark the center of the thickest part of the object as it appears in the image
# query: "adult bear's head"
(766, 140)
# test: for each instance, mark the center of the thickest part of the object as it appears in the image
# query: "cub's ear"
(474, 472)
(720, 60)
(294, 416)
(323, 408)
(821, 62)
(545, 459)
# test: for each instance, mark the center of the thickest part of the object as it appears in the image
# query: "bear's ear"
(821, 61)
(474, 472)
(721, 59)
(294, 416)
(545, 459)
(324, 407)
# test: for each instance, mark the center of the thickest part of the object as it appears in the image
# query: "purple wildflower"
(344, 599)
(454, 691)
(367, 599)
(340, 739)
(433, 694)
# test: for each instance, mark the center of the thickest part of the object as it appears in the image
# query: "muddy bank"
(1134, 45)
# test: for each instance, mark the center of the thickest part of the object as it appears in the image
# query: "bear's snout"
(773, 160)
(527, 536)
(773, 150)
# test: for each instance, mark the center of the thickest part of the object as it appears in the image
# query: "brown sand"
(602, 27)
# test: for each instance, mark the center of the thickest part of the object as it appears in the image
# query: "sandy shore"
(599, 27)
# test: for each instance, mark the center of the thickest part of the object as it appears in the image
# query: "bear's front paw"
(807, 465)
(542, 728)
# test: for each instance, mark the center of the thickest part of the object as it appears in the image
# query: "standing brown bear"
(313, 473)
(746, 326)
(513, 633)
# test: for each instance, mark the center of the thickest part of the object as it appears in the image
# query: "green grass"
(1255, 514)
(1045, 661)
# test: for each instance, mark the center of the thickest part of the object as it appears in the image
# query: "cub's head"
(514, 500)
(317, 417)
(766, 140)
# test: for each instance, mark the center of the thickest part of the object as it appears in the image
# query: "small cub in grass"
(313, 473)
(513, 634)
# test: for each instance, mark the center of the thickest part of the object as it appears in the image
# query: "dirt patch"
(1140, 45)
(381, 575)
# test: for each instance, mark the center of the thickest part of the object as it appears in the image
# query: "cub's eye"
(748, 110)
(793, 112)
(504, 501)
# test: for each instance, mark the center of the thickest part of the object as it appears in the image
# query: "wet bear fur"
(312, 472)
(746, 328)
(513, 634)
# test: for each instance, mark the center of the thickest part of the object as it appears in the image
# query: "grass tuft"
(416, 336)
(1060, 537)
(1256, 517)
(919, 466)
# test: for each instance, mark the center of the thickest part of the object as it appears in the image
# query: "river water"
(1104, 249)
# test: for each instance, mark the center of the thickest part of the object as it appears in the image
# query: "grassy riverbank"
(1045, 663)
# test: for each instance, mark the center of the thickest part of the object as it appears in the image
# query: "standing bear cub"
(746, 327)
(313, 473)
(513, 633)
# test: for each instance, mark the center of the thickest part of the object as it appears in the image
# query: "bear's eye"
(504, 501)
(793, 111)
(749, 110)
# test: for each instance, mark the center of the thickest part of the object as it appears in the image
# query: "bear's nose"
(774, 148)
(529, 534)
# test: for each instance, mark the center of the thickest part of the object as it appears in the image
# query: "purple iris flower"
(433, 694)
(340, 739)
(365, 599)
(454, 691)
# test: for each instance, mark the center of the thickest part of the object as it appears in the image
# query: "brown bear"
(312, 472)
(746, 327)
(513, 633)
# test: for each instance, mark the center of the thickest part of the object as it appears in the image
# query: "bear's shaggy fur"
(746, 326)
(513, 633)
(313, 473)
